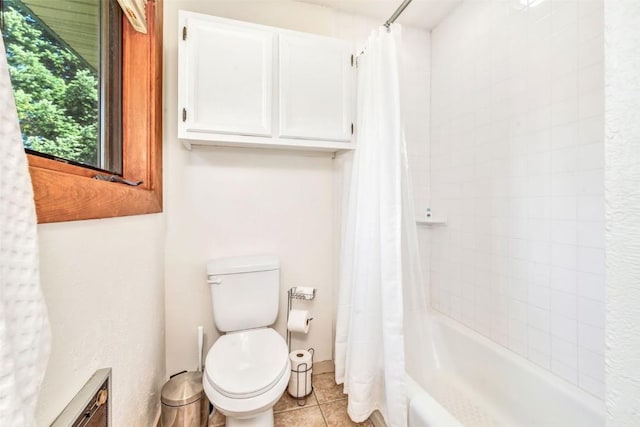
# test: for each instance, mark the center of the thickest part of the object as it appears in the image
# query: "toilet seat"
(247, 372)
(247, 363)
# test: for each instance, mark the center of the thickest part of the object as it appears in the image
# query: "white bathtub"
(469, 380)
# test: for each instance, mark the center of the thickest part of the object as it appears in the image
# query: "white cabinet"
(228, 88)
(314, 87)
(243, 84)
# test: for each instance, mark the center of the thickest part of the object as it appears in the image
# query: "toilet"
(247, 369)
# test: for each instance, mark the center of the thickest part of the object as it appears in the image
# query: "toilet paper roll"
(299, 321)
(301, 370)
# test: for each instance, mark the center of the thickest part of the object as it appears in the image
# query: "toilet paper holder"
(299, 293)
(308, 294)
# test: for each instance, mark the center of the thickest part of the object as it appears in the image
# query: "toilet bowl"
(246, 373)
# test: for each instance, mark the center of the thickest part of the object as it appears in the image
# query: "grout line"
(335, 400)
(295, 408)
(321, 411)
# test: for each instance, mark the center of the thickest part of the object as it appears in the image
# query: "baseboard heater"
(91, 407)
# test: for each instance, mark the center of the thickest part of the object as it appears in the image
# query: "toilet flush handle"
(212, 280)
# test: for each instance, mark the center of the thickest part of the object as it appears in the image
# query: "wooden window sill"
(65, 192)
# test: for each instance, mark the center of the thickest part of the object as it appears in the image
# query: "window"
(65, 190)
(65, 65)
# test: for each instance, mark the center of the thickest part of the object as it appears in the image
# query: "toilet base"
(263, 419)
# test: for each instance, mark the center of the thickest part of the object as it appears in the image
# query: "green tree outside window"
(56, 91)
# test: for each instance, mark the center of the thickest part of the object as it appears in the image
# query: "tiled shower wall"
(517, 167)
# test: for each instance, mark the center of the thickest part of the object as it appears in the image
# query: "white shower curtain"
(370, 358)
(24, 327)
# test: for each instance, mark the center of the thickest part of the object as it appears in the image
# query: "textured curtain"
(24, 326)
(370, 358)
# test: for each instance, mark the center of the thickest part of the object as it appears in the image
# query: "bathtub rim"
(583, 398)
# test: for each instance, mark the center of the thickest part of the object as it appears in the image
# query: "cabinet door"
(227, 76)
(314, 87)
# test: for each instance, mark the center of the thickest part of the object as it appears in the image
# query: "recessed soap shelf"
(432, 221)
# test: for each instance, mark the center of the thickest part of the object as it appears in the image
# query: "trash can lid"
(182, 389)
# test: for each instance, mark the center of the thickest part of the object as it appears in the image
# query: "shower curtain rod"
(397, 13)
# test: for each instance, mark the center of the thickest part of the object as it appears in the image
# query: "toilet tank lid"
(242, 264)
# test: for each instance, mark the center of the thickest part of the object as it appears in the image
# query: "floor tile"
(307, 417)
(326, 388)
(287, 403)
(217, 419)
(335, 413)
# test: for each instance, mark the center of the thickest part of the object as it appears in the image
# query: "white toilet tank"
(244, 291)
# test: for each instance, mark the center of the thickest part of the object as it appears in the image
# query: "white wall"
(226, 202)
(517, 166)
(622, 113)
(102, 281)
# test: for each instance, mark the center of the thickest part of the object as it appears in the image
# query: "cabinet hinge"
(184, 33)
(352, 128)
(184, 114)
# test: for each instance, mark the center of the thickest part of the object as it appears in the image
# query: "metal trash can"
(184, 403)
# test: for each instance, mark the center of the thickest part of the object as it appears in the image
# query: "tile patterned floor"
(326, 407)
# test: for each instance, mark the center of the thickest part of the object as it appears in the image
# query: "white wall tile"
(540, 341)
(590, 26)
(591, 338)
(564, 160)
(564, 304)
(518, 310)
(591, 131)
(591, 52)
(564, 134)
(564, 232)
(591, 260)
(564, 207)
(564, 280)
(591, 312)
(539, 298)
(563, 13)
(591, 78)
(591, 208)
(564, 256)
(564, 352)
(591, 104)
(590, 182)
(591, 156)
(591, 285)
(563, 184)
(565, 328)
(591, 234)
(591, 364)
(517, 162)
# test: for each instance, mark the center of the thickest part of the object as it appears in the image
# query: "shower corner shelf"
(432, 221)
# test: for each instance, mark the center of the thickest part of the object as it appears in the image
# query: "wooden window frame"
(65, 192)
